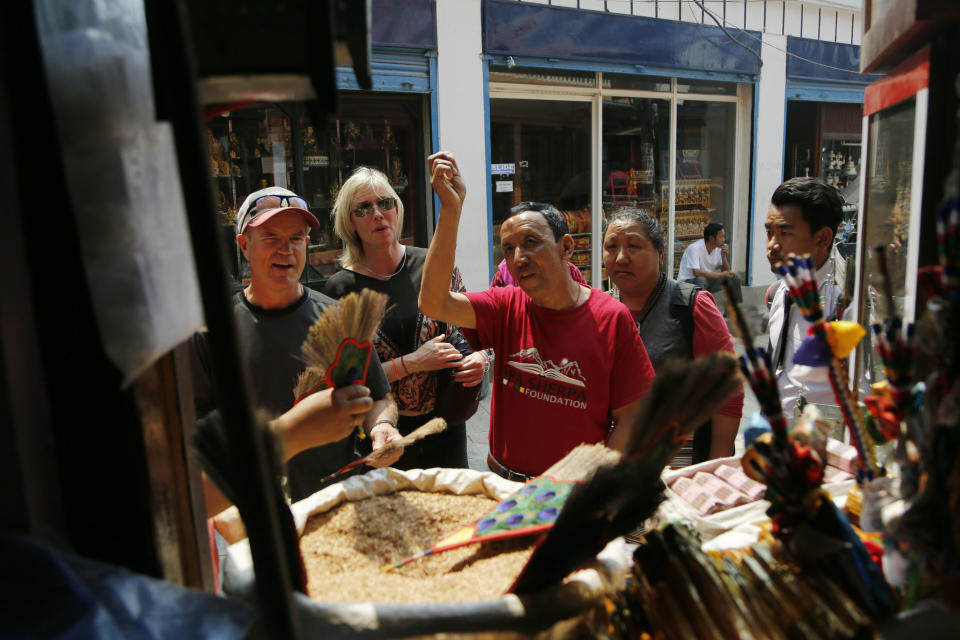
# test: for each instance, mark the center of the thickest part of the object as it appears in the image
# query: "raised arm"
(436, 299)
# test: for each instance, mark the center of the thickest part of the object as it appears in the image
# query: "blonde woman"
(415, 350)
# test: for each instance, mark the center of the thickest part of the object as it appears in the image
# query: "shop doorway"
(540, 152)
(594, 143)
(823, 141)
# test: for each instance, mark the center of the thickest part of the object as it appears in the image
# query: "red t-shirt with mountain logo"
(558, 375)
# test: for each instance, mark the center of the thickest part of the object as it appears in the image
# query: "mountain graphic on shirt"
(529, 360)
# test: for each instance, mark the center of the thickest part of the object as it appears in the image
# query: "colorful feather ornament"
(339, 345)
(769, 458)
(532, 509)
(791, 463)
(828, 344)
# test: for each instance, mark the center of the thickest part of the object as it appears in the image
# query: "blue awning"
(522, 29)
(825, 61)
(403, 23)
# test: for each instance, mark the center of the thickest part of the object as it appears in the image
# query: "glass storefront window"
(636, 157)
(278, 145)
(543, 150)
(635, 83)
(886, 215)
(636, 139)
(248, 149)
(704, 172)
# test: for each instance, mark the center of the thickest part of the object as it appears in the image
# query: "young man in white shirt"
(704, 262)
(803, 219)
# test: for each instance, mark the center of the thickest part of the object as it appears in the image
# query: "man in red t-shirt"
(570, 365)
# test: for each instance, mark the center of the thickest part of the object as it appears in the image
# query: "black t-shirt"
(270, 341)
(403, 288)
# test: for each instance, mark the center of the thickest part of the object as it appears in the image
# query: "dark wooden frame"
(902, 30)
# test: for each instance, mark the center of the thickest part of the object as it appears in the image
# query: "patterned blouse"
(404, 328)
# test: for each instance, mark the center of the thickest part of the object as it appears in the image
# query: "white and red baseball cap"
(262, 205)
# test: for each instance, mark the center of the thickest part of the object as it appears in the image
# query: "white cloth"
(696, 256)
(795, 380)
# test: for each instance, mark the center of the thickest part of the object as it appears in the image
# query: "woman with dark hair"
(675, 319)
(415, 350)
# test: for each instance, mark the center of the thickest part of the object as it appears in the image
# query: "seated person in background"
(571, 367)
(273, 315)
(675, 319)
(704, 262)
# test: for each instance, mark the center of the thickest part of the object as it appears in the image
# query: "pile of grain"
(346, 549)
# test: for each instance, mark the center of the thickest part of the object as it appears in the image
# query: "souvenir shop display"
(274, 144)
(917, 509)
(579, 224)
(680, 591)
(449, 550)
(370, 521)
(593, 486)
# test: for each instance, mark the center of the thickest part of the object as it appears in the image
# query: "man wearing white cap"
(273, 315)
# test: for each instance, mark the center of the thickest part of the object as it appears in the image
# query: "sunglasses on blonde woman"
(364, 209)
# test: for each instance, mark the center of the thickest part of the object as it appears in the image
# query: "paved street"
(477, 428)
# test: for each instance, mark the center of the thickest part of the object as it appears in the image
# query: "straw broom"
(342, 335)
(356, 316)
(432, 426)
(339, 332)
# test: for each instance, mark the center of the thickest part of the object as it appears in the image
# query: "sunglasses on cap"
(264, 203)
(366, 208)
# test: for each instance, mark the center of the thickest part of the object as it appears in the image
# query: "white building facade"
(693, 127)
(694, 110)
